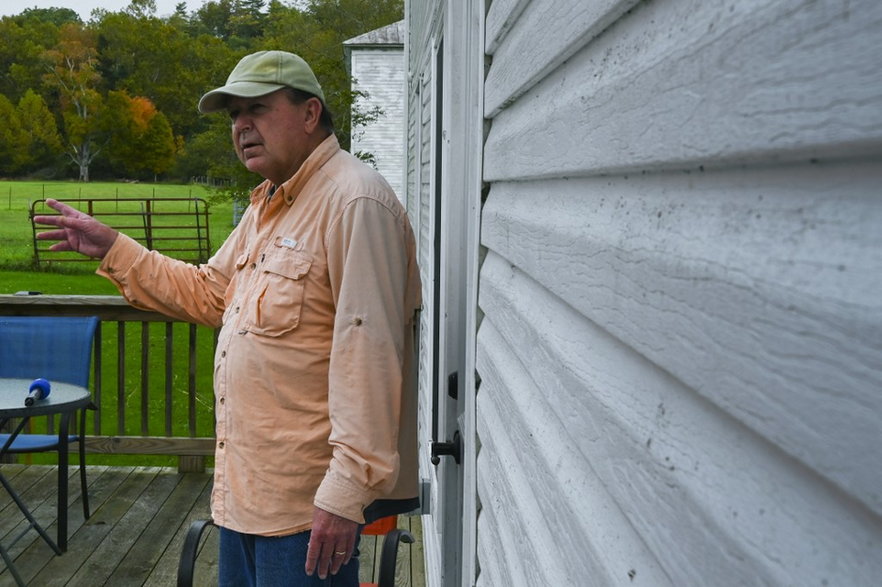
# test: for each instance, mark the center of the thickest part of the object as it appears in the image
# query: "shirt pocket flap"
(293, 266)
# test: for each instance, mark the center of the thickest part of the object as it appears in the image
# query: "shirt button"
(254, 265)
(220, 444)
(223, 354)
(222, 400)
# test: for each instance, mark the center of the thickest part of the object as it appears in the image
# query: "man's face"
(269, 134)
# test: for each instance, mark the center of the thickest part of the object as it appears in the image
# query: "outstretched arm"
(76, 231)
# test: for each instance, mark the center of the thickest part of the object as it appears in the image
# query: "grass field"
(18, 273)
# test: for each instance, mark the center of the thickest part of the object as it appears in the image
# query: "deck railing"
(151, 380)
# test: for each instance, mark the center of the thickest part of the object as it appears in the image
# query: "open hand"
(76, 231)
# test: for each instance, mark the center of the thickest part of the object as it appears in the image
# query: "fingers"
(64, 209)
(313, 553)
(60, 219)
(52, 235)
(331, 543)
(324, 558)
(62, 245)
(340, 557)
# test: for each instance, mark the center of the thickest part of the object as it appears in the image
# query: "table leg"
(18, 580)
(22, 507)
(63, 459)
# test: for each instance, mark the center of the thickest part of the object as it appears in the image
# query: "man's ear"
(312, 115)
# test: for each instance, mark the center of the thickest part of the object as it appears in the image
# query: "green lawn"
(18, 273)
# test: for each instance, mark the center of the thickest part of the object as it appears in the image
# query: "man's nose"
(242, 123)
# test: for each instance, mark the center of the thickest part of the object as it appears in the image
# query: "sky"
(84, 7)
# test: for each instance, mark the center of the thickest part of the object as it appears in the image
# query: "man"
(316, 292)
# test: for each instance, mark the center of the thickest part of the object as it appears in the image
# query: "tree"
(55, 16)
(158, 146)
(72, 73)
(141, 8)
(11, 155)
(24, 40)
(41, 139)
(141, 139)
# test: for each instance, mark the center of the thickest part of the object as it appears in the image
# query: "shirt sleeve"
(151, 281)
(368, 269)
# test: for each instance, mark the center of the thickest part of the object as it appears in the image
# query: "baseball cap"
(262, 73)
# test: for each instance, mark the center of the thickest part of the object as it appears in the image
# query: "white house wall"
(379, 72)
(680, 356)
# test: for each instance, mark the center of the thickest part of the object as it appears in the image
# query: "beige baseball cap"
(262, 73)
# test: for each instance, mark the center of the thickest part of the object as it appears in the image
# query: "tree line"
(115, 97)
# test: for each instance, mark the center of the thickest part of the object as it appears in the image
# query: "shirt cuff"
(120, 258)
(343, 498)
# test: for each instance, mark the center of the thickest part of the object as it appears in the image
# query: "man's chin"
(253, 165)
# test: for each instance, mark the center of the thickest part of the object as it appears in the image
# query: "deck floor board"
(140, 516)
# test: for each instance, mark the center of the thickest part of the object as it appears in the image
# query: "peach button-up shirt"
(316, 292)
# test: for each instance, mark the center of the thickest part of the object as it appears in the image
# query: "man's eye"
(234, 114)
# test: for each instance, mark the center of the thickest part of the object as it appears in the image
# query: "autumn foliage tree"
(140, 137)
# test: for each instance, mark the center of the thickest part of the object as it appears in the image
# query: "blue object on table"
(56, 349)
(39, 389)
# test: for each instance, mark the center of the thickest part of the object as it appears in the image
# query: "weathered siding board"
(500, 18)
(737, 285)
(545, 35)
(689, 83)
(714, 503)
(497, 509)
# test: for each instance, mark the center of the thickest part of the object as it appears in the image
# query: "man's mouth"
(246, 146)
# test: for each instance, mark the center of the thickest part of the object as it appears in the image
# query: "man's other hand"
(331, 543)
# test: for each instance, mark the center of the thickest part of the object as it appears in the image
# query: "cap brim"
(217, 99)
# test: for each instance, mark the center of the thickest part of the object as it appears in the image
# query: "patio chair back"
(56, 348)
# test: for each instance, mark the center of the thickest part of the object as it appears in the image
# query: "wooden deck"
(139, 518)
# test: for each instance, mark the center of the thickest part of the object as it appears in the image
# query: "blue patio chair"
(57, 349)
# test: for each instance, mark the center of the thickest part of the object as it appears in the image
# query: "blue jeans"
(246, 560)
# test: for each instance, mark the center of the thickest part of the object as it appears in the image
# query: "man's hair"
(299, 97)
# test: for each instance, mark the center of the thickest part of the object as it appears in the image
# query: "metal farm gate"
(177, 227)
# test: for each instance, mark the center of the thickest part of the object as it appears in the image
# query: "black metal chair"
(57, 349)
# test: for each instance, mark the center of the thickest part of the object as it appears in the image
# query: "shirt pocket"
(276, 308)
